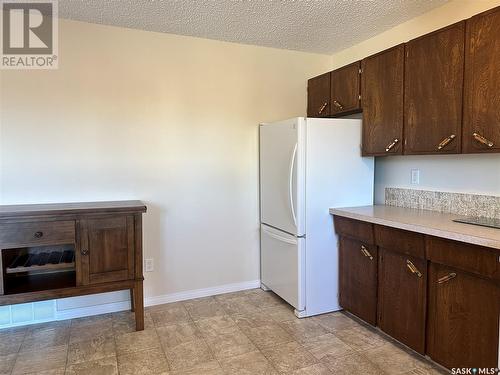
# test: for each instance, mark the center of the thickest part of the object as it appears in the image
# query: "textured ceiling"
(323, 26)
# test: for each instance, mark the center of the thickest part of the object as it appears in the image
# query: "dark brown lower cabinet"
(462, 330)
(439, 297)
(358, 280)
(402, 298)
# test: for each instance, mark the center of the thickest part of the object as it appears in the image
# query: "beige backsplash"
(454, 203)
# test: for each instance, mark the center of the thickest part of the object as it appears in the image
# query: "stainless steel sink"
(482, 221)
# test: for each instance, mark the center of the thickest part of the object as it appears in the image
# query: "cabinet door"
(463, 319)
(434, 69)
(402, 298)
(358, 279)
(318, 96)
(345, 90)
(382, 93)
(482, 82)
(107, 249)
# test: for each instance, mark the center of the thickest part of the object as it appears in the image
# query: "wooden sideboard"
(439, 297)
(50, 251)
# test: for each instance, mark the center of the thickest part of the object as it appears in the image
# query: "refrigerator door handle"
(290, 184)
(280, 238)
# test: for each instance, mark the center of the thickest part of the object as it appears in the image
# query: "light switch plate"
(415, 176)
(148, 265)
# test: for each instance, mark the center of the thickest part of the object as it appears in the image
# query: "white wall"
(456, 173)
(167, 119)
(477, 174)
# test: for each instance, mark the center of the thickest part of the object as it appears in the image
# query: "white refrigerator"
(308, 165)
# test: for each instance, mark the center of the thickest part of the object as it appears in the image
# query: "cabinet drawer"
(401, 241)
(360, 230)
(476, 259)
(37, 234)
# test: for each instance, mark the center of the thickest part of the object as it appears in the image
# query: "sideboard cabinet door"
(106, 249)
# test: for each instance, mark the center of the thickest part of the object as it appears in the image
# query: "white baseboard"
(198, 293)
(156, 300)
(105, 308)
(81, 312)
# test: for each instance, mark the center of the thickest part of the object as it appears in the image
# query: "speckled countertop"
(423, 221)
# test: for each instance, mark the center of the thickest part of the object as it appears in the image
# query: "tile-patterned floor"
(251, 332)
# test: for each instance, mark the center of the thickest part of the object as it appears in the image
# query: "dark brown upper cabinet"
(382, 93)
(345, 97)
(437, 94)
(481, 131)
(318, 96)
(434, 74)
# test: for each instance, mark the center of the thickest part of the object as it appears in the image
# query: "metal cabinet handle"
(38, 235)
(365, 252)
(338, 105)
(478, 137)
(84, 252)
(391, 145)
(413, 268)
(446, 141)
(446, 278)
(322, 108)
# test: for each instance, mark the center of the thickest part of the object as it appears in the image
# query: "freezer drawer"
(282, 265)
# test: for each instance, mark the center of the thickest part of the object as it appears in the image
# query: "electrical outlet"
(149, 265)
(415, 176)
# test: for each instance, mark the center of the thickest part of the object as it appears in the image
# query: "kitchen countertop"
(423, 221)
